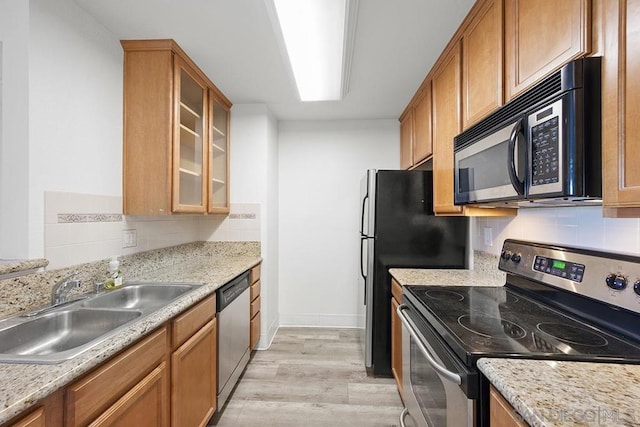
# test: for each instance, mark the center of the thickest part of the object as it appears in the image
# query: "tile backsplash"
(581, 226)
(81, 228)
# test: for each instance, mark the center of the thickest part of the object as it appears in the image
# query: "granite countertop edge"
(23, 385)
(14, 266)
(484, 273)
(547, 393)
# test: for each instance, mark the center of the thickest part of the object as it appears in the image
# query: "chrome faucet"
(63, 287)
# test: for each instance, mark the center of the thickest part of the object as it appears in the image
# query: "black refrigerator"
(399, 230)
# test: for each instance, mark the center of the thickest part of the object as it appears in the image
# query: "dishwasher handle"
(232, 290)
(419, 340)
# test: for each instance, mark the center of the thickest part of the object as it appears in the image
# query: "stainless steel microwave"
(541, 148)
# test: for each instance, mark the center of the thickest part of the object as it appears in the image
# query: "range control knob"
(516, 258)
(636, 287)
(616, 282)
(506, 255)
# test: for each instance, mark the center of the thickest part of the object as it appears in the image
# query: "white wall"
(14, 141)
(321, 164)
(75, 108)
(583, 226)
(62, 77)
(254, 174)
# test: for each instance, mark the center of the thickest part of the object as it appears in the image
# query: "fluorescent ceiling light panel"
(313, 32)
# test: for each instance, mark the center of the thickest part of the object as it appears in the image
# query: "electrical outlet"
(488, 236)
(129, 238)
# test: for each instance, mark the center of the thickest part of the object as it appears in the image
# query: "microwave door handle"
(516, 133)
(419, 339)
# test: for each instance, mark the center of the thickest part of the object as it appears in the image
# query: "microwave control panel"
(544, 151)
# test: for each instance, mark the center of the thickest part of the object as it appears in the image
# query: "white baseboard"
(320, 320)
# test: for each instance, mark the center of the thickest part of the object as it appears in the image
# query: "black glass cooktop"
(485, 321)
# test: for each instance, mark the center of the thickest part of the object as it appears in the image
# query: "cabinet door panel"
(423, 143)
(446, 125)
(193, 379)
(406, 140)
(540, 36)
(621, 110)
(145, 405)
(396, 345)
(34, 419)
(501, 413)
(218, 183)
(190, 150)
(482, 64)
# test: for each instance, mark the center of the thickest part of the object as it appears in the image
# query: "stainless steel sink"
(139, 296)
(62, 333)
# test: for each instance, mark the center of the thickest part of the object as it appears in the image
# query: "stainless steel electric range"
(558, 303)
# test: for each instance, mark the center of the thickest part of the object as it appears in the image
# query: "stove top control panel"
(608, 277)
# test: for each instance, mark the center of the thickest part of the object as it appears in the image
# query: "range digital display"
(559, 264)
(565, 269)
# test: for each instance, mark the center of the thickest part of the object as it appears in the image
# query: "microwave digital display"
(544, 152)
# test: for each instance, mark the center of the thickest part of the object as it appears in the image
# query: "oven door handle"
(420, 339)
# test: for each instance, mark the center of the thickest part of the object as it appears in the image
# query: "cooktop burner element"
(438, 294)
(572, 334)
(491, 327)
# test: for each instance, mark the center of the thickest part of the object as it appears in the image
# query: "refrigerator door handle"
(364, 276)
(364, 202)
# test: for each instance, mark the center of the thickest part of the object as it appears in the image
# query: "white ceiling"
(233, 42)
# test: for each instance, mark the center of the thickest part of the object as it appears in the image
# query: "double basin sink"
(63, 332)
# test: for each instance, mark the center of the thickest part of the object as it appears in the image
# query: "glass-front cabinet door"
(218, 155)
(189, 150)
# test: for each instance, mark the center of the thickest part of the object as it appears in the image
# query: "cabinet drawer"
(92, 395)
(255, 273)
(255, 291)
(255, 306)
(187, 324)
(396, 290)
(254, 334)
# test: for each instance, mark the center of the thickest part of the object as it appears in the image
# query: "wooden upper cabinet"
(422, 124)
(540, 36)
(482, 63)
(621, 109)
(446, 86)
(218, 187)
(171, 151)
(189, 139)
(406, 139)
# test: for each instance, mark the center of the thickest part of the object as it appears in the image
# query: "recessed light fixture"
(316, 37)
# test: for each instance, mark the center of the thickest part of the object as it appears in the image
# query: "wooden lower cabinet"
(193, 378)
(501, 413)
(396, 335)
(145, 405)
(93, 397)
(34, 419)
(254, 307)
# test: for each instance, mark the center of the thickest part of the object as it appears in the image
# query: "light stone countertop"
(9, 266)
(485, 273)
(567, 394)
(22, 385)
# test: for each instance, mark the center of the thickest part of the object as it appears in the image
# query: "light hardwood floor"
(311, 377)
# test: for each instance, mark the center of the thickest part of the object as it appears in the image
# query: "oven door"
(491, 168)
(434, 380)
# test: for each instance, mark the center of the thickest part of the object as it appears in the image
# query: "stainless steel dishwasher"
(232, 308)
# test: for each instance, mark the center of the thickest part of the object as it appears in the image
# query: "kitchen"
(74, 146)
